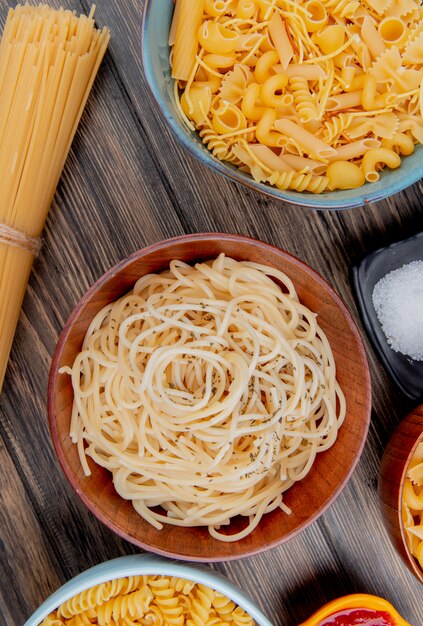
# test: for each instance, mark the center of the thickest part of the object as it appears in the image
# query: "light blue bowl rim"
(143, 564)
(390, 183)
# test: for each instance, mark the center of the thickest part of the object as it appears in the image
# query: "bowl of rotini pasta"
(148, 590)
(401, 490)
(317, 103)
(209, 397)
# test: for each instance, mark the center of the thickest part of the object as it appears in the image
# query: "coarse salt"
(398, 301)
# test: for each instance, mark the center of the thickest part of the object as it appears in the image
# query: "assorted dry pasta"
(149, 601)
(412, 505)
(208, 390)
(311, 95)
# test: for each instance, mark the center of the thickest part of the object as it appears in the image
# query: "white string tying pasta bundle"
(207, 390)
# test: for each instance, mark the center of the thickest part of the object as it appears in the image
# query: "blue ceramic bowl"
(155, 56)
(145, 564)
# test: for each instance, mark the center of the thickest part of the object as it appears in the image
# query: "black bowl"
(405, 371)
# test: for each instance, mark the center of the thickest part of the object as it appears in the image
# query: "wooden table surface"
(127, 184)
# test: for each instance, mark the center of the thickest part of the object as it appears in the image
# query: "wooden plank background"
(127, 184)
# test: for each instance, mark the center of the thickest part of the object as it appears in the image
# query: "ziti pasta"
(207, 391)
(412, 505)
(149, 601)
(311, 95)
(48, 62)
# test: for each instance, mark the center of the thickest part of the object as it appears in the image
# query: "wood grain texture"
(128, 184)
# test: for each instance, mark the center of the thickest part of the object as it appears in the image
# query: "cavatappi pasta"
(48, 62)
(412, 505)
(337, 83)
(149, 601)
(208, 391)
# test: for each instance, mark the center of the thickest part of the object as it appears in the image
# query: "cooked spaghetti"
(208, 391)
(48, 62)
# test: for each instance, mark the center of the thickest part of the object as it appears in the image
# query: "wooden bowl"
(393, 470)
(308, 499)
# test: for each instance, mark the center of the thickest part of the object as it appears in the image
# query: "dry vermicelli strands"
(206, 390)
(48, 61)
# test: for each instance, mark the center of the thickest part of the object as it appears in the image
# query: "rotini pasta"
(303, 99)
(133, 605)
(53, 620)
(336, 126)
(98, 595)
(309, 80)
(218, 146)
(150, 601)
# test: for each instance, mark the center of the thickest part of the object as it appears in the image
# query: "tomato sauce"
(359, 617)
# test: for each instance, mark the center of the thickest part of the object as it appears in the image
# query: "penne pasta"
(270, 159)
(304, 164)
(355, 149)
(344, 101)
(278, 34)
(309, 142)
(372, 38)
(309, 72)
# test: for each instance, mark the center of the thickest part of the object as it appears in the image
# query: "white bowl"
(145, 564)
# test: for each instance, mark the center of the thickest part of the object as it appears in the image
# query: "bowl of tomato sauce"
(358, 609)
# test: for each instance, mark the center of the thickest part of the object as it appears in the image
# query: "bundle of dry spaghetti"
(48, 62)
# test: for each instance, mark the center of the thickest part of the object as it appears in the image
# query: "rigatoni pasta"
(48, 62)
(149, 600)
(187, 22)
(324, 81)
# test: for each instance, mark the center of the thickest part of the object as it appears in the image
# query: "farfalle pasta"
(311, 95)
(412, 505)
(149, 601)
